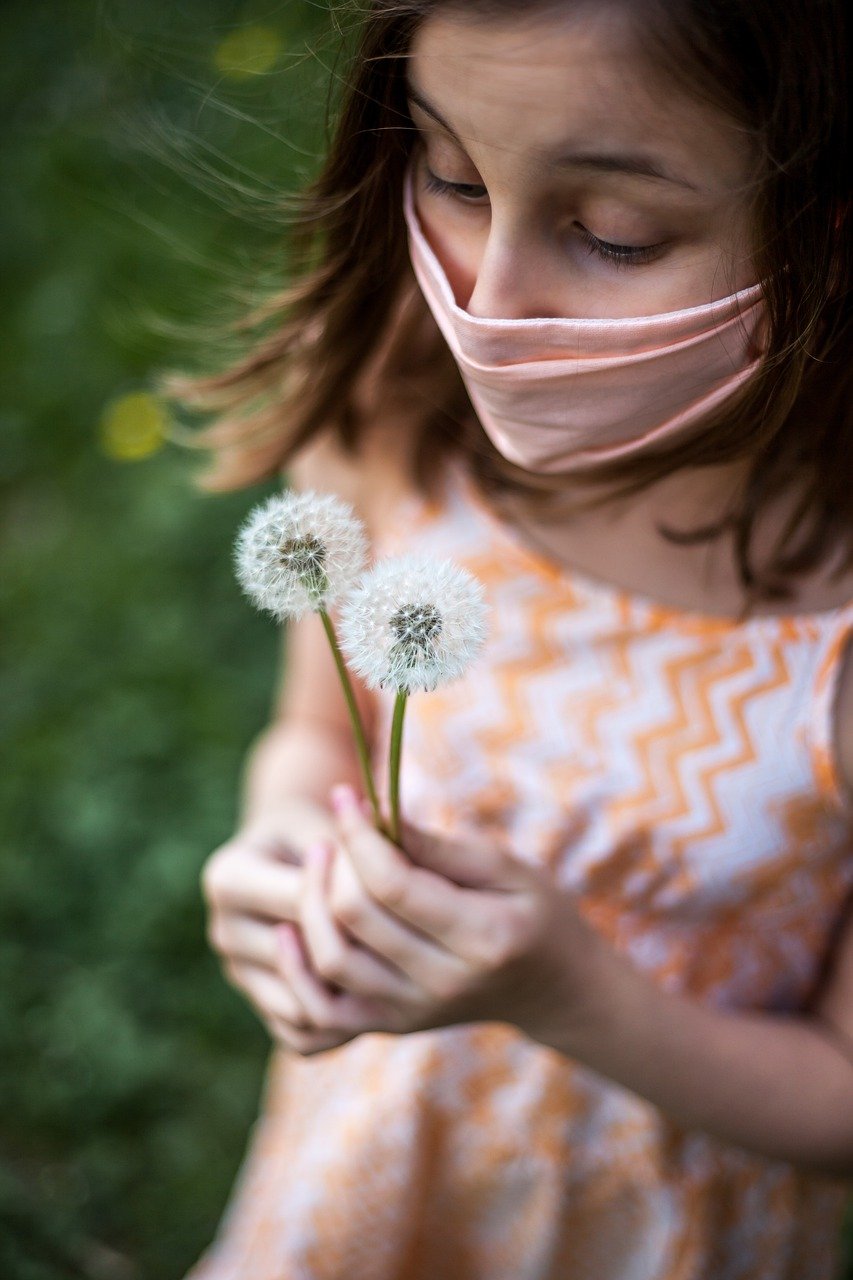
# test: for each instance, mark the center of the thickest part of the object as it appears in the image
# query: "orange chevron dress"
(677, 773)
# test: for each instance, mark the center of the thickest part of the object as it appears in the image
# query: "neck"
(619, 541)
(685, 500)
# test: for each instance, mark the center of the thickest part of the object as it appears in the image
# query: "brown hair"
(353, 312)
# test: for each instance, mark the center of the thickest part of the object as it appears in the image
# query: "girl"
(573, 311)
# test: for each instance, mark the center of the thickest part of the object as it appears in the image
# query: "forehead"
(532, 86)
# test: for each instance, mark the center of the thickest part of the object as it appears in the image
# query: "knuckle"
(213, 874)
(501, 949)
(507, 949)
(506, 939)
(215, 934)
(208, 878)
(388, 882)
(485, 955)
(392, 888)
(326, 1020)
(281, 1007)
(232, 973)
(348, 909)
(286, 1034)
(293, 1018)
(447, 986)
(333, 964)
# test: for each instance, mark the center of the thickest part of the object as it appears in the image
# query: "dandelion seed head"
(413, 622)
(416, 625)
(298, 552)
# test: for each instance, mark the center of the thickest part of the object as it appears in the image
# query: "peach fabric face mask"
(564, 394)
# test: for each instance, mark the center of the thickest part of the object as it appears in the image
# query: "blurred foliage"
(145, 150)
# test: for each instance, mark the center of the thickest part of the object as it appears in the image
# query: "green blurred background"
(145, 149)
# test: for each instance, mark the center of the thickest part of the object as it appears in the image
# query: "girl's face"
(558, 175)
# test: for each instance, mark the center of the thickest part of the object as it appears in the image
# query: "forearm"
(778, 1086)
(295, 758)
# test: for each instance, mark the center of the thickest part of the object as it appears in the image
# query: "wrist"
(613, 1001)
(294, 763)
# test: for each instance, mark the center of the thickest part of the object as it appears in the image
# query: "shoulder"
(373, 479)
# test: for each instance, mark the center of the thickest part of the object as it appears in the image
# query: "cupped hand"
(252, 883)
(436, 933)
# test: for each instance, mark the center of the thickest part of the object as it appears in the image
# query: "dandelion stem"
(394, 762)
(358, 727)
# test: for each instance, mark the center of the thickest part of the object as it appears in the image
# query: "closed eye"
(618, 254)
(467, 191)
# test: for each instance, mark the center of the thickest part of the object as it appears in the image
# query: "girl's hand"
(461, 933)
(251, 884)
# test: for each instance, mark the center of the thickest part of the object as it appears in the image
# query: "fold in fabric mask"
(564, 394)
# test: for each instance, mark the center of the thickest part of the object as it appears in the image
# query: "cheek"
(458, 249)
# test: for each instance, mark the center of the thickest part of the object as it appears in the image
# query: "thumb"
(472, 863)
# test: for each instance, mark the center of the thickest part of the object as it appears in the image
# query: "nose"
(510, 283)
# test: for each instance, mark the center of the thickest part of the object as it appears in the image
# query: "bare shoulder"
(372, 480)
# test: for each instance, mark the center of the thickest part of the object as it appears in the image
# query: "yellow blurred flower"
(133, 427)
(249, 51)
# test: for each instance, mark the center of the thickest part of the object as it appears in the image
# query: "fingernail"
(343, 798)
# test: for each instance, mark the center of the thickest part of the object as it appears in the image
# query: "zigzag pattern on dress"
(676, 773)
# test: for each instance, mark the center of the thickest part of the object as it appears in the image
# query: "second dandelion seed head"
(413, 623)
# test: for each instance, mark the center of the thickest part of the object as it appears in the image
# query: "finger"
(257, 884)
(334, 955)
(268, 992)
(242, 938)
(469, 865)
(306, 1043)
(287, 836)
(418, 897)
(426, 964)
(473, 863)
(325, 1011)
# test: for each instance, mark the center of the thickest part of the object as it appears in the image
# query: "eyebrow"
(634, 163)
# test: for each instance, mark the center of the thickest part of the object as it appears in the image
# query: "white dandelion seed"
(412, 623)
(297, 553)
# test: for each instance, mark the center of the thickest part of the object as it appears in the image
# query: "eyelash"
(620, 255)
